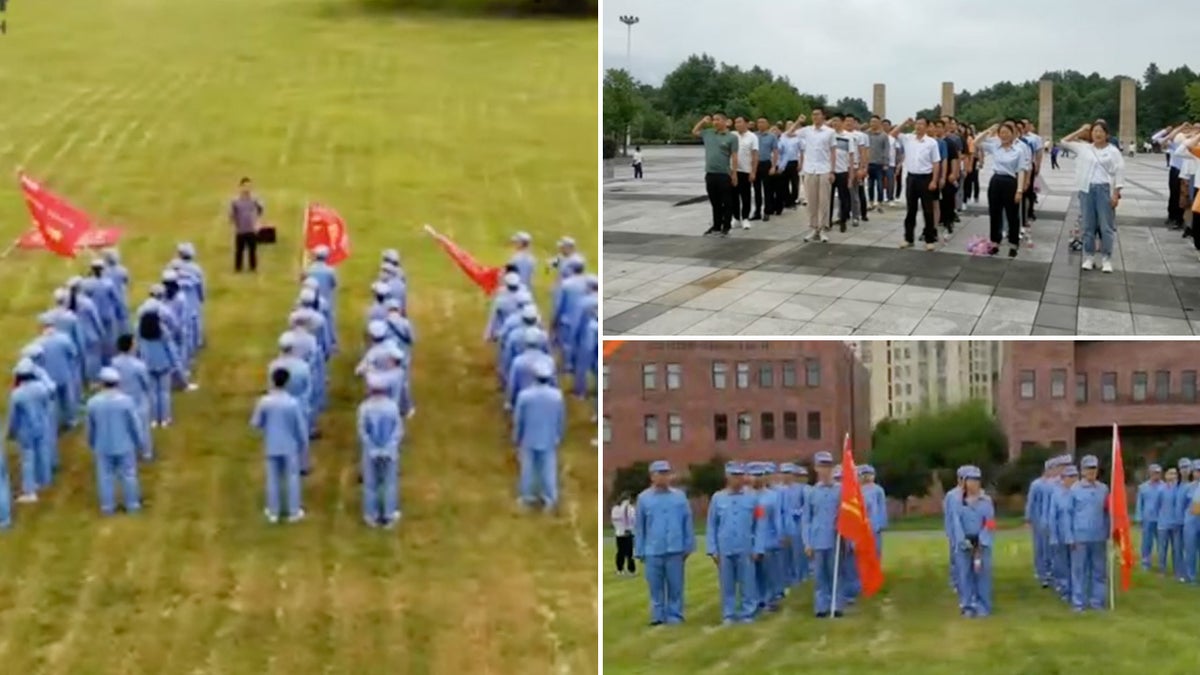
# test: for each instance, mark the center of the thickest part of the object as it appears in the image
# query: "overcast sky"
(911, 52)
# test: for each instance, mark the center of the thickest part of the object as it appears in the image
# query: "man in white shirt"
(817, 156)
(623, 520)
(843, 168)
(858, 174)
(922, 162)
(637, 162)
(747, 152)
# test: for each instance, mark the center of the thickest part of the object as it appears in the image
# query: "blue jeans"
(160, 396)
(764, 579)
(539, 476)
(975, 586)
(1089, 575)
(736, 572)
(31, 468)
(283, 471)
(875, 191)
(1149, 530)
(5, 496)
(1099, 218)
(1062, 570)
(1191, 547)
(1170, 538)
(664, 576)
(380, 489)
(113, 468)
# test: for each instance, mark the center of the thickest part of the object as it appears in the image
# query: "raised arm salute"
(921, 159)
(720, 169)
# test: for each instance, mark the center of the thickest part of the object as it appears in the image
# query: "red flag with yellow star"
(1118, 511)
(325, 227)
(854, 525)
(60, 224)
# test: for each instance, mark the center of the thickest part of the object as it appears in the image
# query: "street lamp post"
(629, 20)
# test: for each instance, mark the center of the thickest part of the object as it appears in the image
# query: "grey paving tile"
(982, 289)
(1056, 299)
(721, 323)
(960, 302)
(821, 330)
(944, 323)
(1017, 294)
(874, 291)
(890, 320)
(845, 312)
(1111, 305)
(801, 307)
(760, 302)
(1154, 310)
(1157, 325)
(1104, 322)
(768, 326)
(610, 308)
(915, 297)
(633, 318)
(717, 298)
(647, 291)
(792, 283)
(1012, 310)
(991, 326)
(681, 295)
(671, 322)
(1057, 316)
(831, 286)
(1047, 330)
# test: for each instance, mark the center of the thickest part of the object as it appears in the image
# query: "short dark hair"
(886, 121)
(1103, 125)
(874, 117)
(818, 107)
(763, 117)
(939, 123)
(280, 377)
(125, 343)
(720, 113)
(244, 180)
(741, 117)
(852, 116)
(836, 116)
(922, 118)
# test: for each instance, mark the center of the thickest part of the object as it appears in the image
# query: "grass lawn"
(912, 626)
(145, 113)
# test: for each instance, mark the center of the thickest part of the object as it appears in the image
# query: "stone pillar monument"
(879, 100)
(1128, 111)
(1045, 126)
(947, 98)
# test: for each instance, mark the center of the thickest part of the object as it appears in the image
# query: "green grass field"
(145, 113)
(911, 627)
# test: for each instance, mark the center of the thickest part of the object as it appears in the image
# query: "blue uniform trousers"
(823, 588)
(113, 468)
(1089, 576)
(975, 585)
(664, 576)
(1149, 531)
(736, 573)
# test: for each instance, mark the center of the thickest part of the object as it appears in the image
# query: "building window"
(1081, 387)
(1108, 387)
(789, 373)
(789, 426)
(766, 375)
(1058, 383)
(720, 427)
(743, 375)
(1188, 386)
(604, 377)
(674, 375)
(1139, 386)
(768, 426)
(674, 428)
(649, 376)
(1162, 385)
(814, 426)
(744, 425)
(607, 430)
(650, 428)
(813, 369)
(1028, 384)
(718, 374)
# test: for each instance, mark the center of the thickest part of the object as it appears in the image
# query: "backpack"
(150, 326)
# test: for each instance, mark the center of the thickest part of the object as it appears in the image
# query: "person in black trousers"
(922, 161)
(622, 518)
(764, 175)
(1006, 190)
(720, 169)
(950, 185)
(747, 171)
(244, 213)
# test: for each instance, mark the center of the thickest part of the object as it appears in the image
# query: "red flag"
(325, 227)
(487, 278)
(1118, 511)
(854, 525)
(98, 238)
(611, 346)
(60, 224)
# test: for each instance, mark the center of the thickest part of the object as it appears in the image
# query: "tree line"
(699, 85)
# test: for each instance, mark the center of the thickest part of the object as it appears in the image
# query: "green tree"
(706, 478)
(1014, 478)
(1193, 100)
(853, 106)
(630, 480)
(621, 103)
(692, 88)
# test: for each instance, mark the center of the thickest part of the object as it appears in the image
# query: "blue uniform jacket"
(973, 518)
(731, 524)
(113, 425)
(380, 428)
(1089, 511)
(663, 523)
(279, 417)
(1147, 502)
(819, 523)
(539, 418)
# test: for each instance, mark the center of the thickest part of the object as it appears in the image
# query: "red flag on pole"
(611, 346)
(325, 227)
(854, 525)
(1118, 511)
(487, 278)
(60, 224)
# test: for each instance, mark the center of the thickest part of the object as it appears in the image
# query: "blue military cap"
(1185, 463)
(310, 282)
(391, 255)
(377, 329)
(575, 263)
(308, 295)
(543, 370)
(961, 471)
(1070, 470)
(377, 381)
(24, 367)
(769, 467)
(186, 249)
(287, 340)
(512, 280)
(1065, 460)
(1155, 468)
(801, 470)
(61, 295)
(109, 376)
(380, 288)
(1049, 463)
(1089, 462)
(169, 276)
(529, 313)
(74, 282)
(533, 336)
(787, 467)
(972, 472)
(866, 469)
(756, 469)
(46, 319)
(321, 252)
(660, 466)
(734, 469)
(823, 457)
(97, 264)
(521, 238)
(32, 350)
(523, 297)
(592, 281)
(566, 242)
(157, 290)
(112, 255)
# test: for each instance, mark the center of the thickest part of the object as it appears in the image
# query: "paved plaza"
(661, 277)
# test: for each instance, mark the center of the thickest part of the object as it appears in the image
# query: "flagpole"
(837, 555)
(304, 236)
(10, 249)
(1112, 588)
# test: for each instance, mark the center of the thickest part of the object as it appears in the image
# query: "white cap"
(512, 279)
(377, 329)
(109, 376)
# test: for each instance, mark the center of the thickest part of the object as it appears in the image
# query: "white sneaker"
(809, 237)
(192, 386)
(736, 223)
(1106, 265)
(745, 224)
(824, 238)
(27, 498)
(297, 517)
(1088, 264)
(271, 517)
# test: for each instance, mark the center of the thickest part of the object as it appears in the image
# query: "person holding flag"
(1090, 524)
(973, 523)
(864, 574)
(818, 524)
(1118, 510)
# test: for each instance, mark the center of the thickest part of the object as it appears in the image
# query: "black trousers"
(1029, 198)
(971, 186)
(637, 170)
(791, 183)
(1174, 211)
(625, 559)
(1002, 204)
(245, 244)
(947, 210)
(841, 186)
(917, 193)
(720, 195)
(1196, 230)
(764, 189)
(862, 200)
(741, 196)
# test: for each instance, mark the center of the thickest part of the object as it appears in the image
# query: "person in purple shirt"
(244, 213)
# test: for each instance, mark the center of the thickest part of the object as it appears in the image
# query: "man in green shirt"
(720, 169)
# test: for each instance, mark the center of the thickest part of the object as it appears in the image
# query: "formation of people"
(768, 531)
(1181, 145)
(132, 362)
(1168, 511)
(526, 368)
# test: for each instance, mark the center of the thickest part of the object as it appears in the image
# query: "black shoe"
(1187, 232)
(837, 614)
(712, 230)
(865, 219)
(1012, 253)
(822, 615)
(724, 233)
(755, 217)
(957, 219)
(766, 218)
(656, 623)
(950, 228)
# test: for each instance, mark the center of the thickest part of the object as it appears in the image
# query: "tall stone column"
(1046, 109)
(1128, 122)
(879, 100)
(947, 98)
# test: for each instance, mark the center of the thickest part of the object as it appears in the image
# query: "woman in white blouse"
(1099, 177)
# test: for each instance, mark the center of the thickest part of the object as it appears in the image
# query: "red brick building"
(1060, 393)
(687, 401)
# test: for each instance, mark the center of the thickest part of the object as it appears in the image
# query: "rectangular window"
(744, 424)
(604, 377)
(789, 373)
(743, 375)
(1108, 387)
(607, 430)
(1139, 386)
(768, 426)
(766, 375)
(1162, 385)
(674, 428)
(718, 374)
(1188, 386)
(1058, 383)
(649, 376)
(720, 427)
(814, 426)
(674, 375)
(1028, 384)
(1081, 392)
(790, 431)
(650, 428)
(813, 368)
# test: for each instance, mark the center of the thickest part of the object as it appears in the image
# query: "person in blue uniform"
(1189, 496)
(156, 348)
(788, 505)
(36, 356)
(115, 434)
(1179, 501)
(299, 385)
(137, 385)
(1090, 531)
(876, 503)
(1062, 531)
(522, 259)
(819, 525)
(799, 559)
(664, 537)
(973, 524)
(26, 427)
(5, 490)
(1034, 505)
(949, 504)
(1170, 532)
(539, 423)
(503, 304)
(380, 433)
(731, 543)
(280, 419)
(1146, 513)
(768, 534)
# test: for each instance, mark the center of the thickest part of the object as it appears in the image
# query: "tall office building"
(908, 376)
